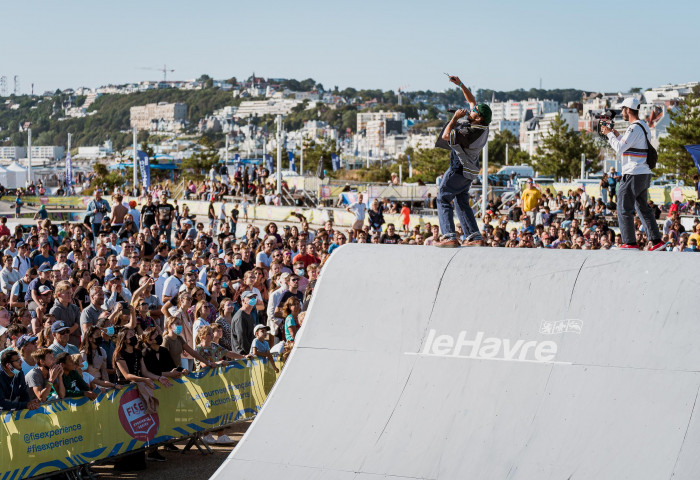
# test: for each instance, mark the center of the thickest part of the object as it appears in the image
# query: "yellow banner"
(76, 431)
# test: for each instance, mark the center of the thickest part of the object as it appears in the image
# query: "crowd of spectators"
(255, 183)
(145, 294)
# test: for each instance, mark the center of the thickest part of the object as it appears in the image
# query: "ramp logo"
(481, 347)
(568, 325)
(136, 421)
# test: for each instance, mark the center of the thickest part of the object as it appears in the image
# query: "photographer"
(636, 177)
(97, 209)
(465, 141)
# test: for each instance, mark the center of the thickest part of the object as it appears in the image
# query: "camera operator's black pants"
(633, 193)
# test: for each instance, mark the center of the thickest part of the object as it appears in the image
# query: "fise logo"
(136, 421)
(480, 347)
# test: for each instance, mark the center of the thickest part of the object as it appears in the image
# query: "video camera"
(607, 118)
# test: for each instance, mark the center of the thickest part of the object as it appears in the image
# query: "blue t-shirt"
(40, 259)
(289, 322)
(261, 345)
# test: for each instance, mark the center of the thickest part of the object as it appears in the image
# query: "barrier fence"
(77, 431)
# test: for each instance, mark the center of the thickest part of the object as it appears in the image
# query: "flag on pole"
(319, 170)
(145, 169)
(292, 163)
(694, 151)
(69, 172)
(335, 161)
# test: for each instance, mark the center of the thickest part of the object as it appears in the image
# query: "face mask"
(238, 262)
(133, 341)
(110, 331)
(15, 371)
(300, 272)
(84, 365)
(178, 330)
(159, 339)
(253, 301)
(225, 285)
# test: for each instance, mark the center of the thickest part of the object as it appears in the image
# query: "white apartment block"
(167, 116)
(365, 117)
(512, 126)
(395, 145)
(375, 133)
(267, 107)
(100, 151)
(516, 110)
(533, 131)
(53, 152)
(666, 93)
(13, 153)
(421, 141)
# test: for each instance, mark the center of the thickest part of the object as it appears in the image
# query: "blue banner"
(145, 169)
(694, 151)
(292, 163)
(335, 161)
(69, 172)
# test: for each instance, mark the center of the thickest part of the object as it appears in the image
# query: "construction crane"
(165, 71)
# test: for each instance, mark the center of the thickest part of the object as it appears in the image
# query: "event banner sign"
(77, 431)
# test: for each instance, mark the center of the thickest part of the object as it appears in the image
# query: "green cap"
(484, 111)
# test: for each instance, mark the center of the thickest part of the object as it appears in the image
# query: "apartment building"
(159, 116)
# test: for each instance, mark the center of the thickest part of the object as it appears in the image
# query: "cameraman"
(465, 141)
(96, 211)
(636, 177)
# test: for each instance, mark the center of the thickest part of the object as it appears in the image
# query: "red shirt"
(307, 259)
(4, 230)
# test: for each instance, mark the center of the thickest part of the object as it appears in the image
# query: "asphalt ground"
(191, 465)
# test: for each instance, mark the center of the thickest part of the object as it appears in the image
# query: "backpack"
(652, 154)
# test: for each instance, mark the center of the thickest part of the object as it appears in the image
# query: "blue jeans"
(455, 187)
(633, 195)
(96, 227)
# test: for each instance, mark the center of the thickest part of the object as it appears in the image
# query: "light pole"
(279, 154)
(485, 179)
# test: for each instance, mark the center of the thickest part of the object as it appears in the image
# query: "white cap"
(260, 327)
(630, 102)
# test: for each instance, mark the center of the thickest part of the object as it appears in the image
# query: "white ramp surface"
(487, 363)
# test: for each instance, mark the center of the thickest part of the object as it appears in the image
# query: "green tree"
(197, 165)
(561, 149)
(684, 130)
(497, 147)
(427, 164)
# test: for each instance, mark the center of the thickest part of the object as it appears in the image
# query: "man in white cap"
(636, 177)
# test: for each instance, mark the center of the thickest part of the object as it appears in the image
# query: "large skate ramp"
(481, 363)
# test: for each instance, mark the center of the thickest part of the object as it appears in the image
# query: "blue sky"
(383, 44)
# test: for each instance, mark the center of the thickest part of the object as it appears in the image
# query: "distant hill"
(110, 121)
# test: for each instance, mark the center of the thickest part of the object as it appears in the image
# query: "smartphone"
(179, 369)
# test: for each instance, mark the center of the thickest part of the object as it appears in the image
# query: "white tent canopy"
(3, 176)
(16, 176)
